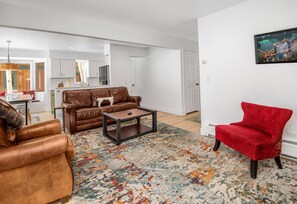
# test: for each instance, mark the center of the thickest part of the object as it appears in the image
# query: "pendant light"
(9, 66)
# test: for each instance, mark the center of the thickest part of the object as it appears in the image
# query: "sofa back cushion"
(270, 120)
(119, 94)
(79, 98)
(98, 93)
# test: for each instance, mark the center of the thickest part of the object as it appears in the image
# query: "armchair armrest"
(135, 99)
(32, 152)
(237, 123)
(50, 127)
(68, 107)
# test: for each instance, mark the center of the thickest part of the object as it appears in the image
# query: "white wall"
(57, 54)
(226, 41)
(27, 17)
(161, 76)
(162, 81)
(120, 63)
(22, 53)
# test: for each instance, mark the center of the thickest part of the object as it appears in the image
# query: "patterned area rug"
(173, 166)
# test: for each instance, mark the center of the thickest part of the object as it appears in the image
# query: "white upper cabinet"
(68, 68)
(63, 68)
(93, 68)
(56, 68)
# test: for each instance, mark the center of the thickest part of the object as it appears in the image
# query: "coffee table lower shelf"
(128, 132)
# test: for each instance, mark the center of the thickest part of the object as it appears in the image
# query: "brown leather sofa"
(81, 110)
(36, 167)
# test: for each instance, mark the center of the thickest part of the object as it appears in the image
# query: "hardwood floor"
(168, 118)
(180, 121)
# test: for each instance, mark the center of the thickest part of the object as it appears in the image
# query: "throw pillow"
(104, 101)
(12, 119)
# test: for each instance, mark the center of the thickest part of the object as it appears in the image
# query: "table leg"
(26, 112)
(138, 125)
(119, 132)
(154, 121)
(104, 121)
(63, 119)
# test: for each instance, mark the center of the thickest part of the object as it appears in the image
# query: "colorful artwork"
(276, 47)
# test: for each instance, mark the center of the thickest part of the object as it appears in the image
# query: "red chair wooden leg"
(217, 145)
(254, 168)
(278, 162)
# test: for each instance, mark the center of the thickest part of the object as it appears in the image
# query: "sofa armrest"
(69, 107)
(135, 99)
(32, 152)
(51, 127)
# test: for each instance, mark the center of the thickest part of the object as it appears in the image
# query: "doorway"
(137, 65)
(191, 82)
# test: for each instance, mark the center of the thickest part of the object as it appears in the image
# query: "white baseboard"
(289, 149)
(163, 109)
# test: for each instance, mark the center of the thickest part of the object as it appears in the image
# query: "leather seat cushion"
(98, 93)
(87, 113)
(80, 99)
(127, 105)
(119, 94)
(110, 109)
(254, 144)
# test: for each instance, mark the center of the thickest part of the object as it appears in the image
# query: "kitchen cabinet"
(93, 68)
(63, 68)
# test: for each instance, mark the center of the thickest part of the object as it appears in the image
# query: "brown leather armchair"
(36, 168)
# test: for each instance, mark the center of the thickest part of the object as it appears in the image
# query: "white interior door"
(136, 77)
(191, 81)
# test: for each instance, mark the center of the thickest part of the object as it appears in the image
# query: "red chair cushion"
(254, 144)
(31, 92)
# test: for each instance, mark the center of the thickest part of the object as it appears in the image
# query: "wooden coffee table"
(137, 129)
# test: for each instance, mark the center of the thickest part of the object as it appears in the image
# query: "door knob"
(197, 84)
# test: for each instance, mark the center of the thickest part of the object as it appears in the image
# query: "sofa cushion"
(110, 109)
(79, 98)
(127, 105)
(254, 144)
(98, 93)
(119, 94)
(87, 113)
(270, 120)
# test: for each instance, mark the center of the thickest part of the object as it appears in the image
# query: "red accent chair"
(31, 92)
(258, 135)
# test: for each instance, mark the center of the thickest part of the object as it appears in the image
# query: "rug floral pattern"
(173, 166)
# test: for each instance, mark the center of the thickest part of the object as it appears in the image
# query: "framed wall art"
(276, 47)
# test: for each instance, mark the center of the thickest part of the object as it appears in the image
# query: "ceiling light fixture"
(9, 66)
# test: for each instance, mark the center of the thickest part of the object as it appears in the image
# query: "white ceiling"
(172, 17)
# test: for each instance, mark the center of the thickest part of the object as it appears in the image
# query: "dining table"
(19, 99)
